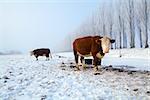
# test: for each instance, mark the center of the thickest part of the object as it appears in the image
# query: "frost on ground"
(23, 78)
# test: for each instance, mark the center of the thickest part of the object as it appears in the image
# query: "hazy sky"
(28, 24)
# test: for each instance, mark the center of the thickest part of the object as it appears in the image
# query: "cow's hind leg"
(76, 59)
(47, 57)
(36, 58)
(83, 62)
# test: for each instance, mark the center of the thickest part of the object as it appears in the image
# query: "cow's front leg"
(99, 63)
(95, 64)
(48, 57)
(36, 58)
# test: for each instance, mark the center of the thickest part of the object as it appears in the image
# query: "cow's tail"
(50, 54)
(76, 58)
(74, 52)
(75, 55)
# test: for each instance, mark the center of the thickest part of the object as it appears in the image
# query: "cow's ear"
(112, 41)
(98, 41)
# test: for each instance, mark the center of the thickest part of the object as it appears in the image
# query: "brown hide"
(95, 46)
(87, 45)
(41, 52)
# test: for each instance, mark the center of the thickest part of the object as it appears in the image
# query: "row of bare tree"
(127, 21)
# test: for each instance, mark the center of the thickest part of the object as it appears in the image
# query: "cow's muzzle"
(106, 51)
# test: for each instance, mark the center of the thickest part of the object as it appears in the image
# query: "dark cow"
(95, 46)
(41, 52)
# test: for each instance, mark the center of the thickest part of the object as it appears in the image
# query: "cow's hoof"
(97, 73)
(84, 67)
(77, 69)
(72, 66)
(63, 69)
(95, 69)
(62, 65)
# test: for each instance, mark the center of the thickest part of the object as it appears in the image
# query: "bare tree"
(130, 12)
(138, 22)
(145, 5)
(121, 19)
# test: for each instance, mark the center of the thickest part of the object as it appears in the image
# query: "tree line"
(127, 21)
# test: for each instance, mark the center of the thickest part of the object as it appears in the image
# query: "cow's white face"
(31, 53)
(105, 43)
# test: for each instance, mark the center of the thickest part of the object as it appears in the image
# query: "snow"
(137, 58)
(130, 53)
(24, 78)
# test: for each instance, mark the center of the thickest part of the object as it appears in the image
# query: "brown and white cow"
(41, 52)
(95, 46)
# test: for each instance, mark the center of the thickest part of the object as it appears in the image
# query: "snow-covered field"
(23, 78)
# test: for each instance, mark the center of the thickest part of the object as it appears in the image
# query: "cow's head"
(31, 53)
(105, 43)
